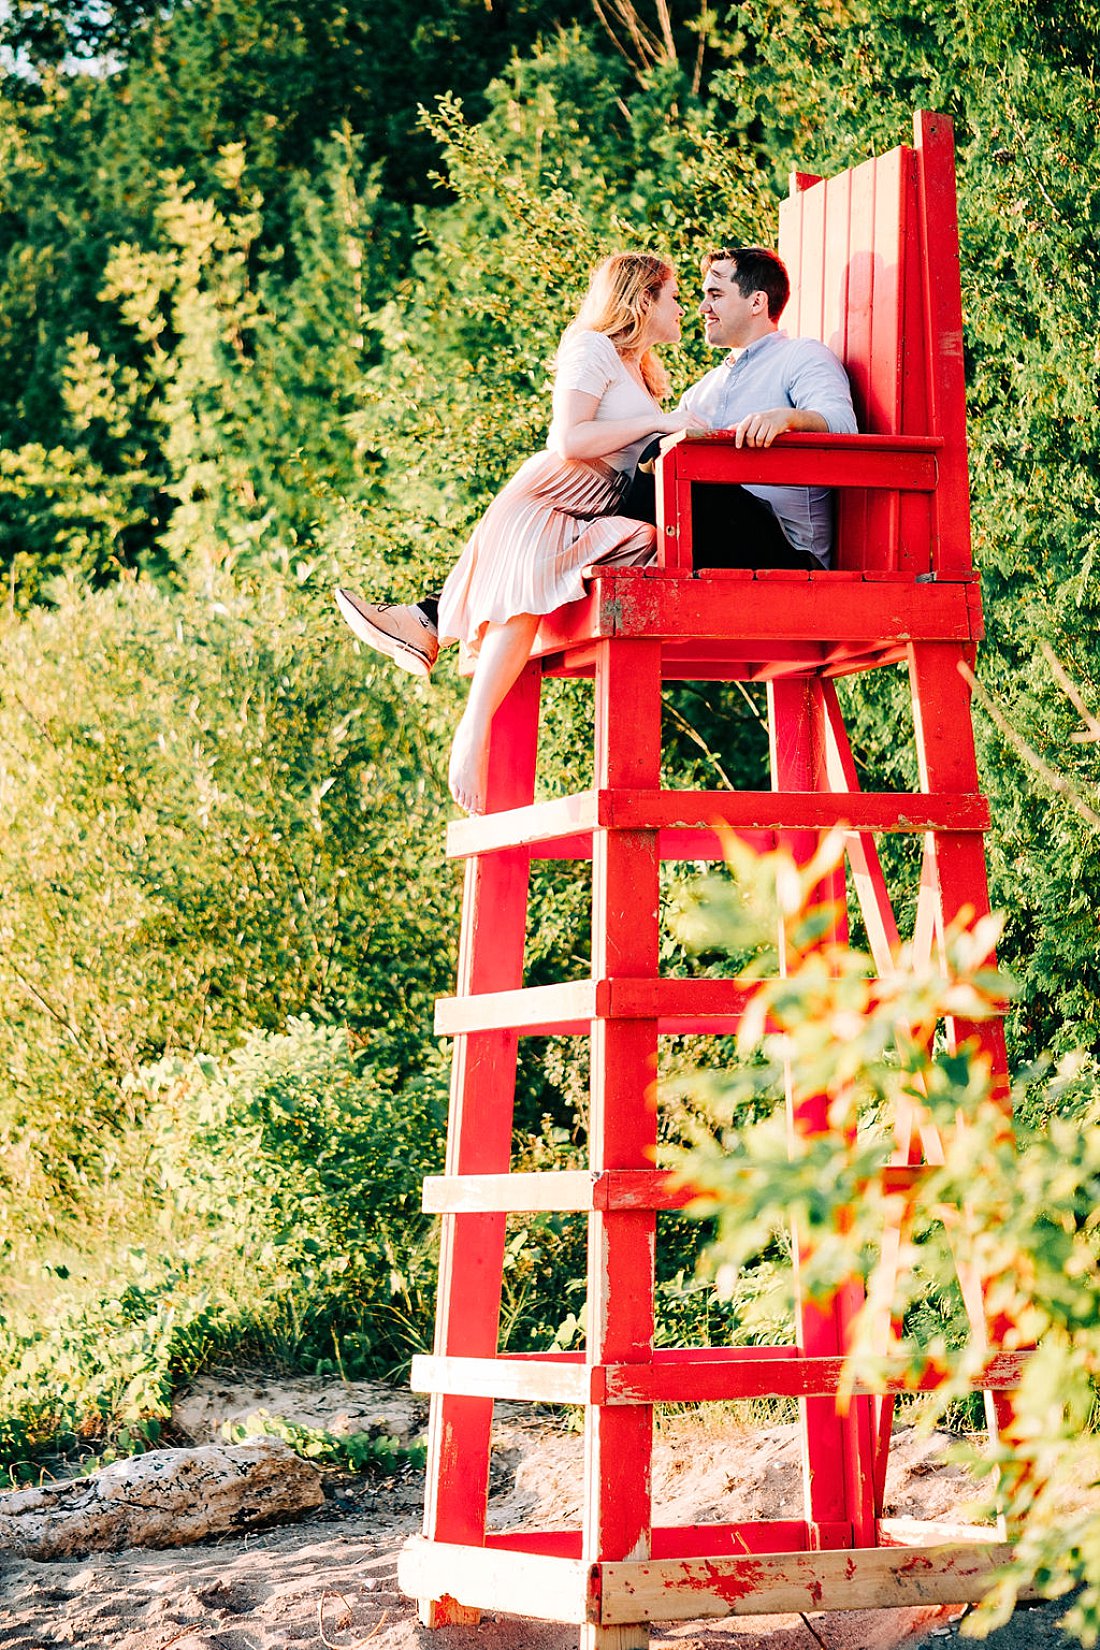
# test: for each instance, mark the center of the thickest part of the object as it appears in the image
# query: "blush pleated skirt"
(528, 553)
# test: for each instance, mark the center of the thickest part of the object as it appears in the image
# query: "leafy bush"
(279, 1195)
(353, 1451)
(211, 816)
(1018, 1208)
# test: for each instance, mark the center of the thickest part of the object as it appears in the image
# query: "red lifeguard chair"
(873, 256)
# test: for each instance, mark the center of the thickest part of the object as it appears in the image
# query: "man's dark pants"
(730, 527)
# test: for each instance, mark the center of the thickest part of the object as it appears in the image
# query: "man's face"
(730, 321)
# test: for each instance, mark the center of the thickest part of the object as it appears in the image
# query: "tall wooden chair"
(873, 255)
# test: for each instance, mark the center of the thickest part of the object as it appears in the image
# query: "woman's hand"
(679, 419)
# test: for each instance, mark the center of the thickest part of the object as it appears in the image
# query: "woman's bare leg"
(505, 649)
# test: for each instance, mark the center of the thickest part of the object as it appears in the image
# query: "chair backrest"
(873, 255)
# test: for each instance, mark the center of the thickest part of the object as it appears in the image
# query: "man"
(768, 384)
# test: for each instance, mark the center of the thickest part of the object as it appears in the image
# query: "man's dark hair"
(755, 269)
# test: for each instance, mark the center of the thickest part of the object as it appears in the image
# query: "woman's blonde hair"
(617, 302)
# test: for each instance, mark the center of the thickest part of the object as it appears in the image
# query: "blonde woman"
(557, 515)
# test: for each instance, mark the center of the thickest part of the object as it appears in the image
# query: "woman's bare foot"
(468, 773)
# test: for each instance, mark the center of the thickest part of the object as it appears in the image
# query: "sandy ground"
(331, 1579)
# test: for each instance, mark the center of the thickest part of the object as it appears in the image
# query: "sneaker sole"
(403, 654)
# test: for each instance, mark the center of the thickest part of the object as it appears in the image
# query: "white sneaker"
(404, 634)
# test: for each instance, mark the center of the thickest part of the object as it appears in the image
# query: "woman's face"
(663, 315)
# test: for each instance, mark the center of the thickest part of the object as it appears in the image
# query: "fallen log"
(167, 1498)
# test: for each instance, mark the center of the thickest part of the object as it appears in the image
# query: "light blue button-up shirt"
(778, 371)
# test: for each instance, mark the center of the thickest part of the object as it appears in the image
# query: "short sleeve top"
(589, 361)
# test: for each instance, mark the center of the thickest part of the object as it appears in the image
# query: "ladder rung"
(684, 1375)
(758, 1535)
(555, 1192)
(713, 1376)
(577, 1191)
(697, 1006)
(687, 819)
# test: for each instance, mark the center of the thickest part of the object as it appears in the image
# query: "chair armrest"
(892, 463)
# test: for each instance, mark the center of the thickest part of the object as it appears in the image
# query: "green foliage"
(212, 818)
(1017, 1210)
(263, 327)
(353, 1451)
(274, 1202)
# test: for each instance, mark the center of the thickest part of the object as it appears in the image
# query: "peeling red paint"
(918, 1562)
(710, 1579)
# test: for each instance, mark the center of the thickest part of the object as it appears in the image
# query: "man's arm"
(820, 400)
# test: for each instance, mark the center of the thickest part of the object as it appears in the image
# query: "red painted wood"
(709, 1375)
(559, 1190)
(579, 1006)
(734, 616)
(838, 1450)
(887, 320)
(480, 1136)
(783, 1372)
(861, 273)
(945, 754)
(818, 460)
(942, 308)
(788, 1535)
(790, 238)
(888, 341)
(558, 1543)
(836, 264)
(623, 1119)
(871, 613)
(862, 855)
(764, 1535)
(759, 811)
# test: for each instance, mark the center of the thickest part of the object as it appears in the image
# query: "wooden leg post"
(945, 753)
(623, 1126)
(479, 1140)
(955, 864)
(838, 1450)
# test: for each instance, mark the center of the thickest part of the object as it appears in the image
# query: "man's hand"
(760, 429)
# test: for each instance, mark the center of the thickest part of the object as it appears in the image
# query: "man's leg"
(639, 502)
(730, 527)
(733, 528)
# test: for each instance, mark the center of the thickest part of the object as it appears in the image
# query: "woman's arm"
(577, 433)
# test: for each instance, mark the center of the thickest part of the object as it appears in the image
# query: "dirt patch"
(331, 1579)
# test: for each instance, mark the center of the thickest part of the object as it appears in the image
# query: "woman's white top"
(590, 362)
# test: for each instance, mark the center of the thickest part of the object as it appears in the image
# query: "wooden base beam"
(486, 1578)
(776, 1584)
(628, 1594)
